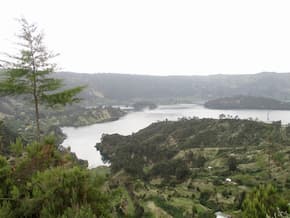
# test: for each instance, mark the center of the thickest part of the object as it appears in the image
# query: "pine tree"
(28, 73)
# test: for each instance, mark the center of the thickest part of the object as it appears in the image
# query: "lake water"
(82, 140)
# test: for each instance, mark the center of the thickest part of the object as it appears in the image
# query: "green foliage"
(33, 149)
(17, 147)
(176, 168)
(206, 214)
(204, 196)
(44, 182)
(62, 98)
(263, 201)
(5, 177)
(287, 183)
(58, 189)
(173, 211)
(198, 161)
(6, 136)
(83, 212)
(232, 163)
(6, 210)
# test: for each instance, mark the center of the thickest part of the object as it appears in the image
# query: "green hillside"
(193, 168)
(187, 168)
(18, 116)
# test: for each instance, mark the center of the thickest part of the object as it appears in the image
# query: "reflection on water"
(83, 139)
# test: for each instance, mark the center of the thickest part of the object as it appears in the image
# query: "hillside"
(247, 102)
(18, 116)
(193, 168)
(112, 88)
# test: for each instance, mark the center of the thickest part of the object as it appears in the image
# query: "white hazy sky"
(158, 37)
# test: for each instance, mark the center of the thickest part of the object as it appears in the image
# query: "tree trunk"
(37, 118)
(35, 96)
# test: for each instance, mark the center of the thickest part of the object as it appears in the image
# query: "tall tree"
(28, 73)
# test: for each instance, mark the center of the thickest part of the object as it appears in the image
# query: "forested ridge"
(112, 88)
(247, 102)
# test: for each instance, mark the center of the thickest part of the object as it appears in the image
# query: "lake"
(82, 140)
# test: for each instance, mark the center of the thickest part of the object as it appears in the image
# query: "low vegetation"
(45, 180)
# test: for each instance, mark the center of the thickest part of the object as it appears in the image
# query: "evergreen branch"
(49, 84)
(63, 98)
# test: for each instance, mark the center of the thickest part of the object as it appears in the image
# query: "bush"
(263, 201)
(232, 164)
(204, 196)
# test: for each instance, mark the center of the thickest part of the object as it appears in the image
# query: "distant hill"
(247, 102)
(125, 88)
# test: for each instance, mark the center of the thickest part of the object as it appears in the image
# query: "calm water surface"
(83, 139)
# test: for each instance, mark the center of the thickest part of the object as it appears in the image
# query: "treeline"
(247, 102)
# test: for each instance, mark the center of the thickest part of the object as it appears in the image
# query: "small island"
(247, 102)
(141, 105)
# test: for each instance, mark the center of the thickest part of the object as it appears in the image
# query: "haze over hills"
(125, 87)
(247, 102)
